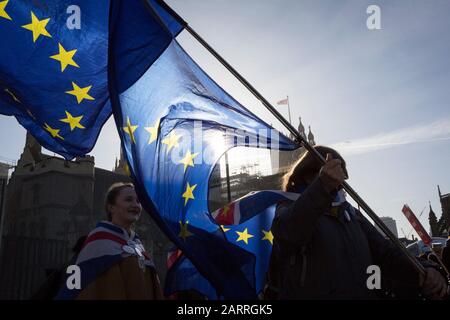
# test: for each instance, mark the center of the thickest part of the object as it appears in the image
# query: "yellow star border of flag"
(244, 236)
(53, 132)
(38, 27)
(184, 232)
(130, 129)
(171, 141)
(153, 132)
(3, 13)
(74, 122)
(188, 159)
(80, 93)
(65, 57)
(267, 236)
(189, 193)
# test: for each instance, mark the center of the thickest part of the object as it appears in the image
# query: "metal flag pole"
(299, 139)
(289, 110)
(227, 170)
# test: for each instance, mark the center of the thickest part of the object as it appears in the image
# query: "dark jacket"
(446, 255)
(324, 256)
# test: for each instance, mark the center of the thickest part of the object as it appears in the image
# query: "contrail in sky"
(435, 131)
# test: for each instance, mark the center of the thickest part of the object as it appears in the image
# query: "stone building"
(282, 160)
(390, 224)
(440, 227)
(49, 204)
(239, 184)
(4, 171)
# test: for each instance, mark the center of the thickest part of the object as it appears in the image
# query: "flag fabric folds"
(247, 223)
(174, 121)
(54, 79)
(183, 277)
(250, 205)
(54, 74)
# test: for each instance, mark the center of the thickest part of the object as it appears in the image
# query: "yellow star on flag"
(188, 160)
(3, 13)
(171, 141)
(189, 193)
(153, 132)
(224, 229)
(37, 27)
(184, 232)
(267, 236)
(244, 236)
(80, 93)
(65, 57)
(53, 132)
(74, 122)
(130, 129)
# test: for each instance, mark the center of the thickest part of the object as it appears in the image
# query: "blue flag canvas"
(245, 222)
(53, 79)
(182, 277)
(54, 73)
(175, 123)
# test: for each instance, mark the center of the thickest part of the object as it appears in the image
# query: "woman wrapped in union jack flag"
(113, 263)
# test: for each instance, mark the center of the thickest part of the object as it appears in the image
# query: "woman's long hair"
(306, 168)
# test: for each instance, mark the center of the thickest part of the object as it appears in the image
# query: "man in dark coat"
(325, 249)
(446, 253)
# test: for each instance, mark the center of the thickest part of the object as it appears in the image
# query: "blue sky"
(379, 96)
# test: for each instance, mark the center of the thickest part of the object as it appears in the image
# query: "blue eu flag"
(175, 123)
(54, 68)
(245, 222)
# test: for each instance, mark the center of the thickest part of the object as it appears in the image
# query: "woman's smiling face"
(126, 208)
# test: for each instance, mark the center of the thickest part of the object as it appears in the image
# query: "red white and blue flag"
(105, 246)
(245, 223)
(283, 102)
(250, 205)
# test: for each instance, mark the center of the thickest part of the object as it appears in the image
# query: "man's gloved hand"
(433, 284)
(332, 174)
